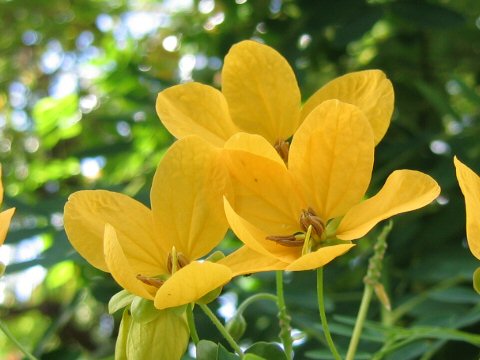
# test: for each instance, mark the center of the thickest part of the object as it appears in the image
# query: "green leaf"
(143, 311)
(208, 350)
(267, 350)
(427, 15)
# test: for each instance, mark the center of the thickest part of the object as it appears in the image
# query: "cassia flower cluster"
(290, 180)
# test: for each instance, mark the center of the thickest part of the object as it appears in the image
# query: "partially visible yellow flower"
(5, 216)
(152, 253)
(470, 185)
(260, 96)
(305, 214)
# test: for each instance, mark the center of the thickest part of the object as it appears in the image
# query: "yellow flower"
(260, 95)
(470, 184)
(152, 253)
(5, 216)
(304, 214)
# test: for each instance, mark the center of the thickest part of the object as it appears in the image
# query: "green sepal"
(216, 256)
(143, 310)
(210, 296)
(179, 310)
(119, 301)
(476, 280)
(236, 326)
(165, 337)
(121, 344)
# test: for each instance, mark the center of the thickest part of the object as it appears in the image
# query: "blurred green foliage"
(78, 83)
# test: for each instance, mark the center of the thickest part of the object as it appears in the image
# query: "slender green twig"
(191, 324)
(256, 297)
(221, 329)
(323, 316)
(362, 314)
(372, 282)
(283, 317)
(12, 338)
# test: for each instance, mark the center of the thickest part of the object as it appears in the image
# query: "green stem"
(283, 317)
(191, 324)
(253, 298)
(7, 332)
(362, 314)
(323, 316)
(222, 329)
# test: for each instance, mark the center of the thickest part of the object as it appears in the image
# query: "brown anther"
(150, 281)
(309, 217)
(282, 147)
(287, 240)
(182, 261)
(169, 263)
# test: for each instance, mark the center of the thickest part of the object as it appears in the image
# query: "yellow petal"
(264, 192)
(120, 267)
(369, 90)
(86, 214)
(247, 261)
(255, 238)
(404, 190)
(190, 283)
(261, 91)
(195, 109)
(254, 144)
(319, 258)
(331, 156)
(470, 184)
(186, 198)
(5, 218)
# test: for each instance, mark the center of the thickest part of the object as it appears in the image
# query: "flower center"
(310, 236)
(175, 261)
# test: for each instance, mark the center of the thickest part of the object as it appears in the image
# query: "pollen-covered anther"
(181, 261)
(152, 281)
(282, 147)
(287, 240)
(309, 217)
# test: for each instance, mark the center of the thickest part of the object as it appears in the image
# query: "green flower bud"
(236, 326)
(164, 337)
(121, 344)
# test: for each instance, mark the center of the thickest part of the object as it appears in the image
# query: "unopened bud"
(236, 326)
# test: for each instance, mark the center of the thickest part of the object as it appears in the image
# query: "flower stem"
(323, 317)
(372, 283)
(362, 314)
(7, 332)
(221, 329)
(283, 317)
(191, 324)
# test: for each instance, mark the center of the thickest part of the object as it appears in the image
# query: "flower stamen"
(152, 281)
(181, 261)
(287, 240)
(309, 217)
